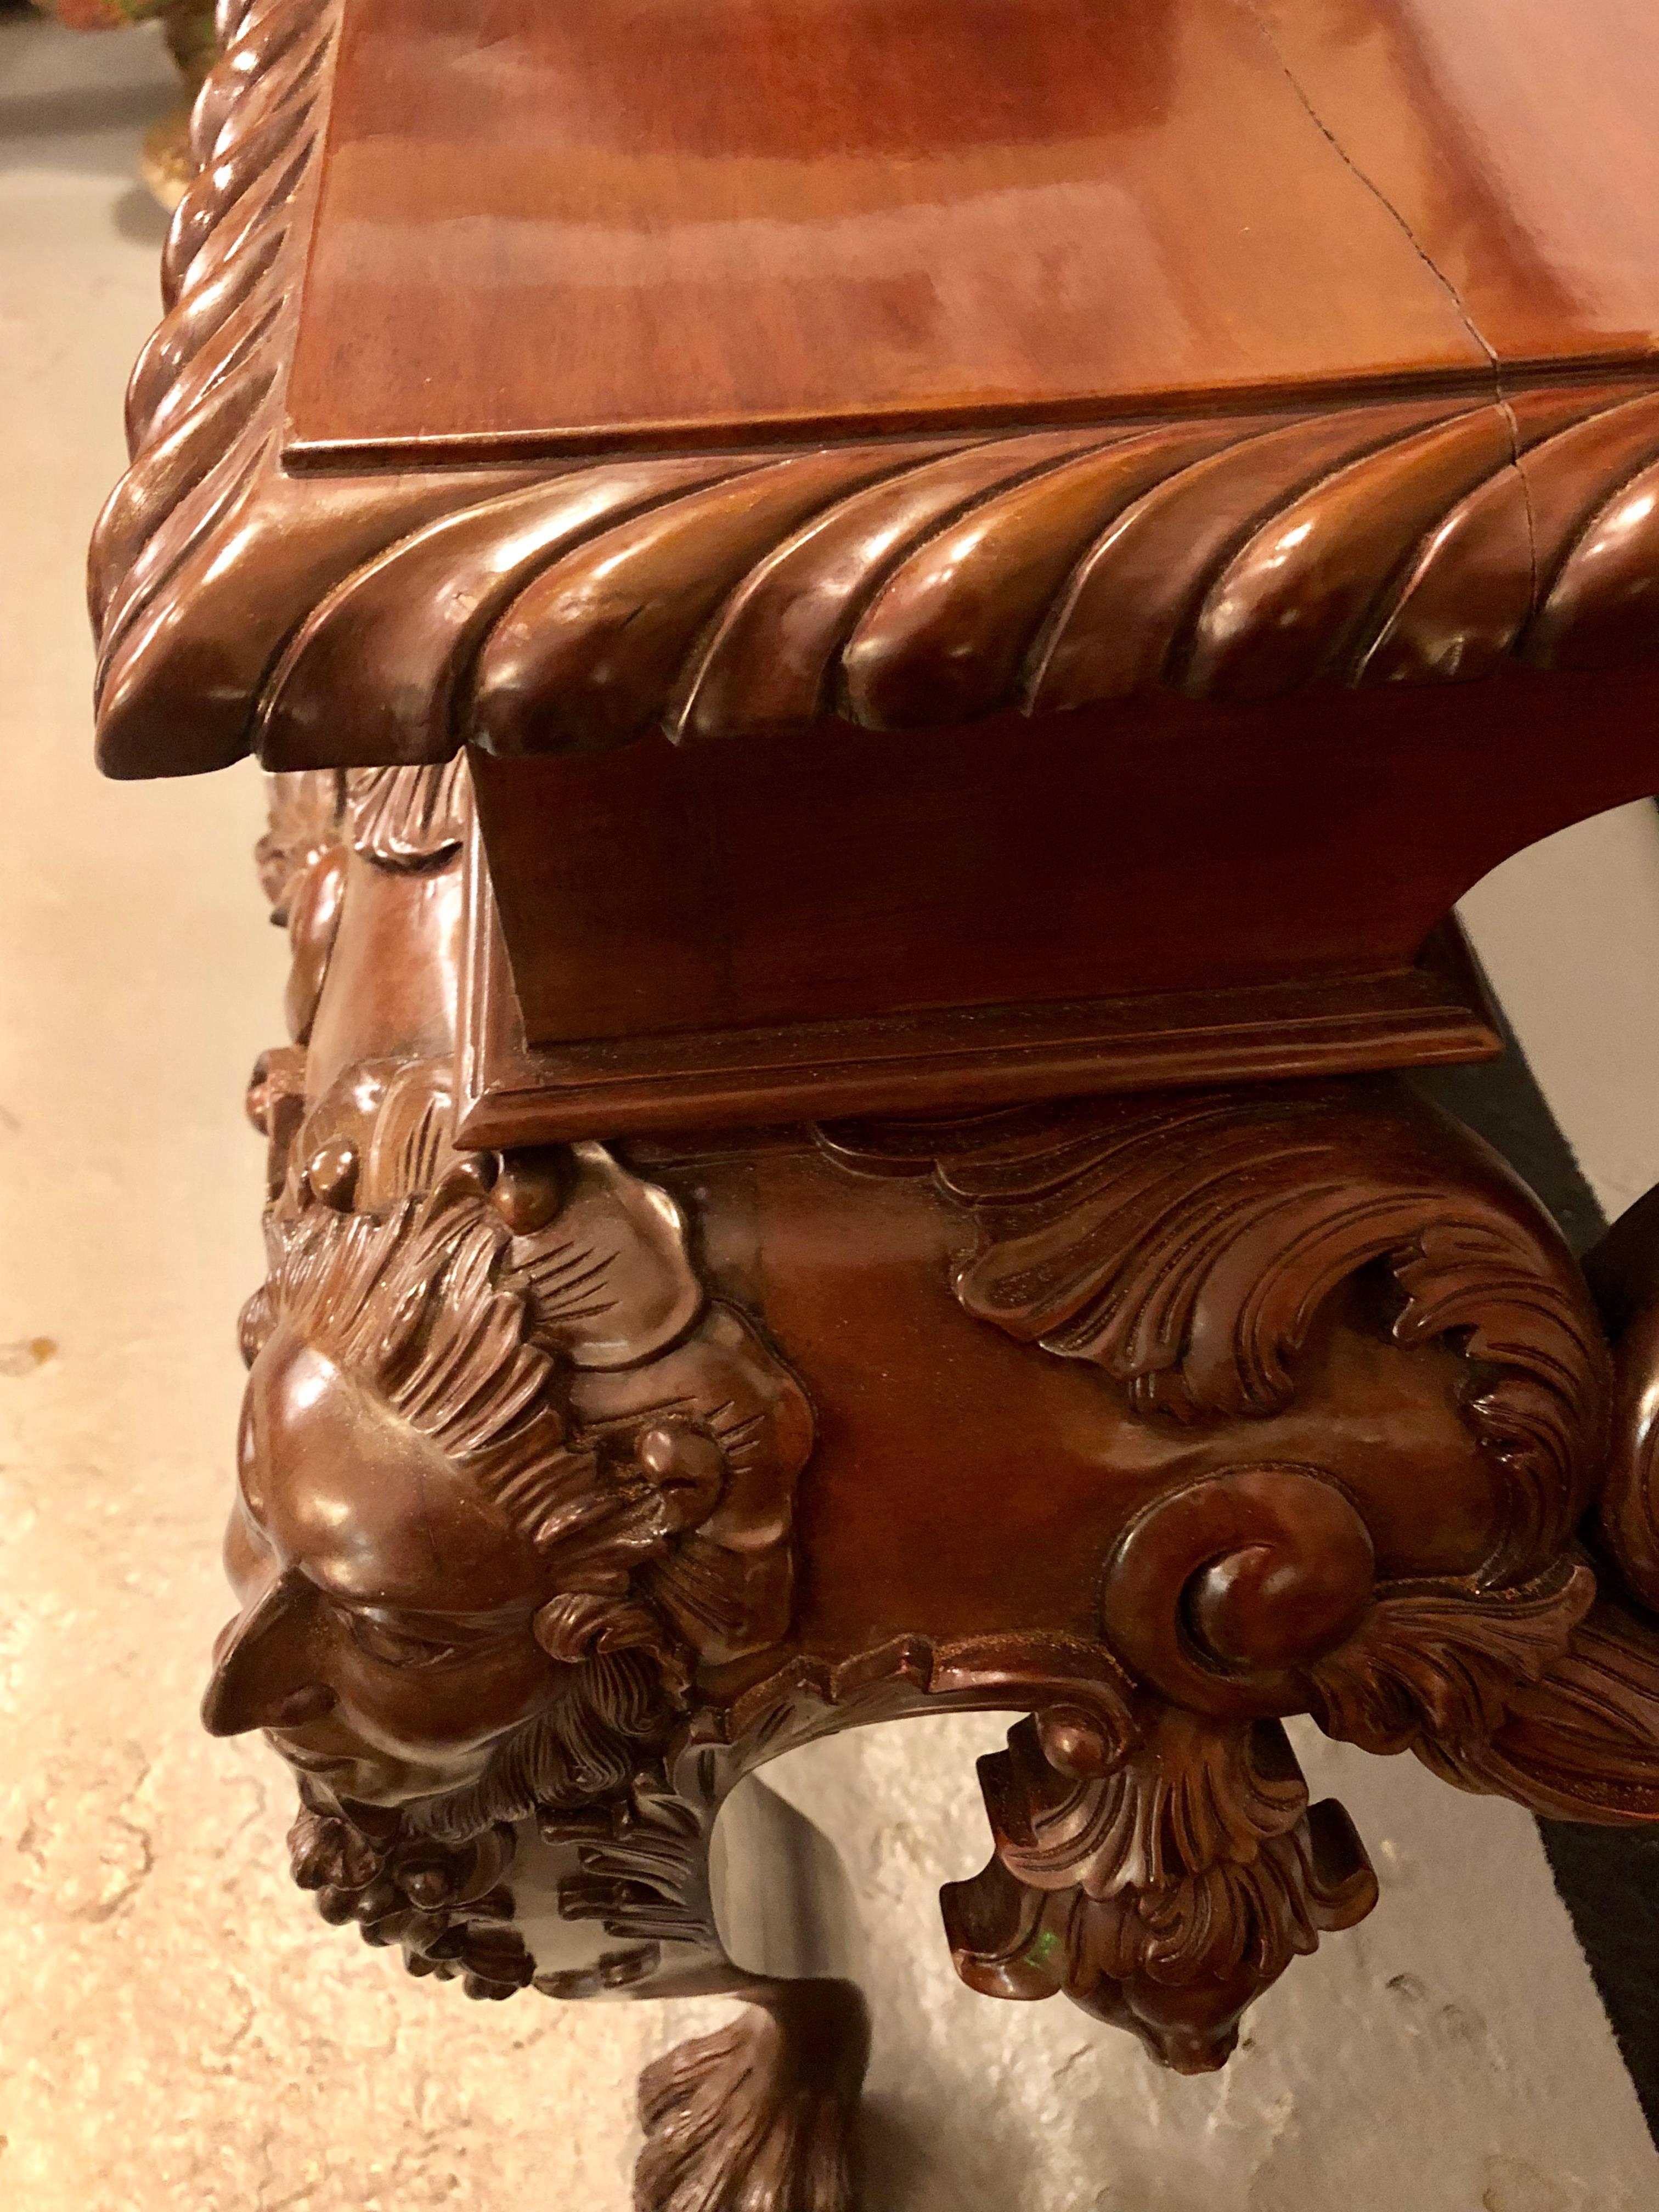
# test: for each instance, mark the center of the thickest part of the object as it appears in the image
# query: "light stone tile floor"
(177, 2032)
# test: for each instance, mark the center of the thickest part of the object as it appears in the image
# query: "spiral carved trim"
(331, 620)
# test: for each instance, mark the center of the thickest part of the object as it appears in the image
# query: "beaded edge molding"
(391, 617)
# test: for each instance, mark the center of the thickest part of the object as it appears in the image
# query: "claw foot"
(762, 2116)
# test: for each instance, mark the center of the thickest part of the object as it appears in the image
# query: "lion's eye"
(394, 1649)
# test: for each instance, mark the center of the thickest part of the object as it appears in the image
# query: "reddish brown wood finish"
(659, 905)
(801, 212)
(833, 777)
(577, 1481)
(1333, 540)
(512, 1092)
(711, 218)
(961, 1542)
(1515, 141)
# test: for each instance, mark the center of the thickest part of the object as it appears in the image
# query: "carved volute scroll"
(1217, 1257)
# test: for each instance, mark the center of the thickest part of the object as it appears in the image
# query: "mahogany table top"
(698, 220)
(539, 377)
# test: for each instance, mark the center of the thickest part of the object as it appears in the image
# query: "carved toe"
(762, 2114)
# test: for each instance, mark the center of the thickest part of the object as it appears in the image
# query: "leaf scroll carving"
(537, 1321)
(1190, 1249)
(1185, 1245)
(1581, 1743)
(1442, 1666)
(1163, 1895)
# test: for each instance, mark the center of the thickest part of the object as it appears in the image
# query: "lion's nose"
(264, 1664)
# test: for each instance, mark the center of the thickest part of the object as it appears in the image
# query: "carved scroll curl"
(1164, 1896)
(1205, 1253)
(1224, 1266)
(1187, 1245)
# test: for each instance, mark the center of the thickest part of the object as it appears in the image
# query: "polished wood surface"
(692, 217)
(745, 932)
(511, 1090)
(656, 889)
(1518, 143)
(1074, 756)
(1340, 538)
(698, 1317)
(578, 1480)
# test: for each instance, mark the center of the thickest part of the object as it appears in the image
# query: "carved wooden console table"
(886, 634)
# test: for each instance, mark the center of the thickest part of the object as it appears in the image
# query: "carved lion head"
(507, 1479)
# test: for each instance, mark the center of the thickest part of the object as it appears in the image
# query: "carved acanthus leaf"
(1164, 1897)
(607, 1275)
(1186, 1243)
(1436, 1669)
(408, 817)
(1254, 1918)
(1186, 1796)
(1581, 1742)
(303, 822)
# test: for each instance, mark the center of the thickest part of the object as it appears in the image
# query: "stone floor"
(177, 2032)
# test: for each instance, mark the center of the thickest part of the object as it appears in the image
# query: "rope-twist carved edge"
(388, 617)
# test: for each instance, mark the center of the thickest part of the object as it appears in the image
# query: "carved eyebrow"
(418, 1620)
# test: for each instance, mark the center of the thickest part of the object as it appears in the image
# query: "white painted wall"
(1568, 932)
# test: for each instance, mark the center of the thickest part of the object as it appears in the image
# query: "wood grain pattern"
(716, 218)
(909, 770)
(1513, 139)
(388, 616)
(663, 1071)
(719, 219)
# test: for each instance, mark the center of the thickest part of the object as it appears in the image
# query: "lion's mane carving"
(535, 1319)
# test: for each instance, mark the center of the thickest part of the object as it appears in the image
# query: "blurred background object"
(187, 25)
